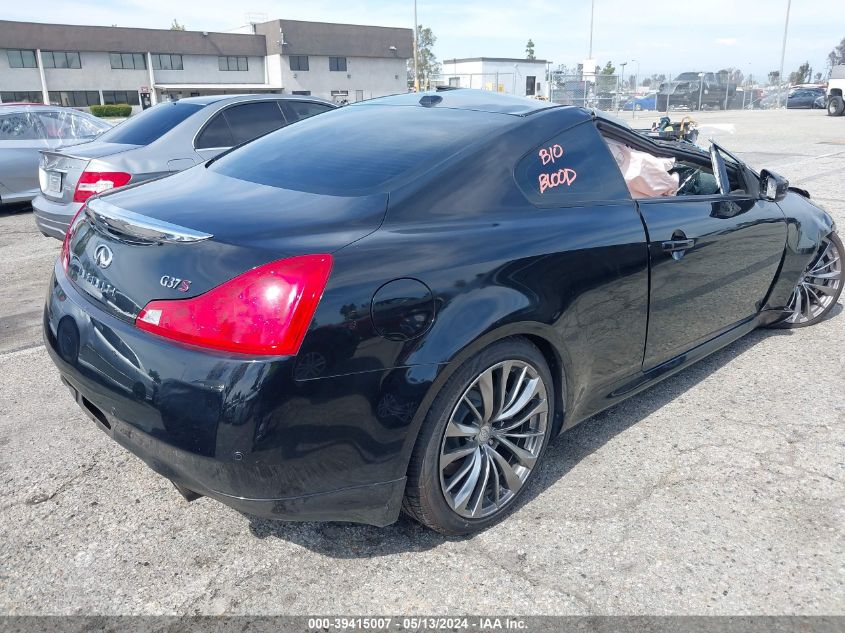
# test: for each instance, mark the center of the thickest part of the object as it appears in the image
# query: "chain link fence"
(666, 92)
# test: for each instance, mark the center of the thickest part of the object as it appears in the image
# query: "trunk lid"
(60, 169)
(183, 235)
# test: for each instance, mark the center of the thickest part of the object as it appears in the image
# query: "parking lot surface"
(719, 491)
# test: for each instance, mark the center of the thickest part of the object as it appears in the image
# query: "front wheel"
(820, 286)
(482, 439)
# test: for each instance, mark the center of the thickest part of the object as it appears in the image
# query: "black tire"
(785, 324)
(424, 497)
(835, 106)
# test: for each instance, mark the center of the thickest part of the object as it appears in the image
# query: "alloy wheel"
(493, 439)
(819, 285)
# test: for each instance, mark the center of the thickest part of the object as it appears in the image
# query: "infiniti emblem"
(103, 256)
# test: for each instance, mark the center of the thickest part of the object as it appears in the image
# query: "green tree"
(176, 26)
(774, 77)
(609, 69)
(802, 75)
(529, 50)
(427, 63)
(837, 55)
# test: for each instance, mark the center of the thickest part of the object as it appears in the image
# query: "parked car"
(806, 98)
(469, 275)
(691, 89)
(835, 103)
(26, 129)
(162, 140)
(645, 102)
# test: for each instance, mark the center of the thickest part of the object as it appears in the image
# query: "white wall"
(205, 69)
(374, 76)
(511, 76)
(13, 79)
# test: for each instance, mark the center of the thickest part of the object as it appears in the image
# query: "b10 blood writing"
(550, 154)
(557, 178)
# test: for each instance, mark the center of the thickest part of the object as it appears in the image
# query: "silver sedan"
(165, 139)
(25, 130)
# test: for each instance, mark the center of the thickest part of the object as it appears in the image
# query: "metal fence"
(681, 91)
(662, 92)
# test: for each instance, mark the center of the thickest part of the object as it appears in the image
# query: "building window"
(21, 59)
(233, 63)
(75, 98)
(455, 82)
(298, 62)
(340, 96)
(60, 59)
(167, 61)
(120, 96)
(337, 63)
(128, 61)
(302, 93)
(25, 96)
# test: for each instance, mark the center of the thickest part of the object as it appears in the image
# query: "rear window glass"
(250, 120)
(146, 127)
(571, 168)
(357, 149)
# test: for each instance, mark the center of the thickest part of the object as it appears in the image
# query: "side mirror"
(773, 186)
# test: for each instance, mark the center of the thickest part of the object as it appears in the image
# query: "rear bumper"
(53, 218)
(376, 504)
(241, 431)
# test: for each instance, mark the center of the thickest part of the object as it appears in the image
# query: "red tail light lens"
(71, 229)
(265, 311)
(93, 182)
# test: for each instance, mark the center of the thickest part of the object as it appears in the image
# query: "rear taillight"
(265, 311)
(94, 182)
(71, 229)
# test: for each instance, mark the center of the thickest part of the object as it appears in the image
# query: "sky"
(664, 37)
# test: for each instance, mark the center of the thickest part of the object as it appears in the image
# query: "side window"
(19, 126)
(298, 110)
(215, 134)
(251, 120)
(571, 168)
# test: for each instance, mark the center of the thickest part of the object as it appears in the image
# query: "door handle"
(673, 246)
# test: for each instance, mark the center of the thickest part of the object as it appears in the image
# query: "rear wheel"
(835, 106)
(482, 439)
(819, 288)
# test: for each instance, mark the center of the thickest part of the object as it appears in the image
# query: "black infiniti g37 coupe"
(398, 304)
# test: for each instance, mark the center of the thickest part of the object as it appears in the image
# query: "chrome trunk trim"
(140, 226)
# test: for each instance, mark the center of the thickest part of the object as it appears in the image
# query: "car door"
(238, 124)
(713, 259)
(21, 138)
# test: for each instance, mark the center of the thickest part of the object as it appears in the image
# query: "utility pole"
(416, 51)
(783, 48)
(592, 12)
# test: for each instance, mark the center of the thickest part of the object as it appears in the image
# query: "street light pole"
(700, 89)
(592, 12)
(618, 85)
(416, 51)
(634, 107)
(783, 48)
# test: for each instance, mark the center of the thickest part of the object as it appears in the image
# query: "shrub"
(111, 110)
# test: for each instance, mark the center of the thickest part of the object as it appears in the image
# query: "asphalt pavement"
(719, 491)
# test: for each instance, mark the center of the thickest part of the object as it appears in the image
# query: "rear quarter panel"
(573, 279)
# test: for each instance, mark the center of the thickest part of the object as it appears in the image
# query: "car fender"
(807, 226)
